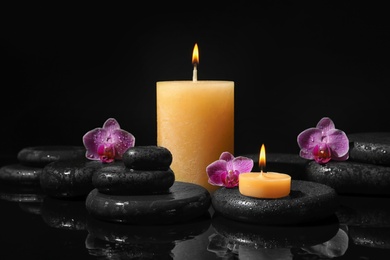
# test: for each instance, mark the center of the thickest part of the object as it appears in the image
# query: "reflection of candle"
(267, 185)
(195, 121)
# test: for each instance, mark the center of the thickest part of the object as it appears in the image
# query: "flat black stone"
(117, 179)
(373, 148)
(270, 236)
(291, 164)
(40, 156)
(147, 158)
(348, 177)
(20, 174)
(21, 193)
(184, 202)
(307, 202)
(68, 179)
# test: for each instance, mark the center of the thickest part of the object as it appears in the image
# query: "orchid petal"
(309, 138)
(242, 164)
(338, 142)
(92, 139)
(215, 170)
(123, 140)
(325, 124)
(226, 156)
(111, 124)
(226, 170)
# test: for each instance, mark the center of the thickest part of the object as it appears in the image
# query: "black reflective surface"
(36, 226)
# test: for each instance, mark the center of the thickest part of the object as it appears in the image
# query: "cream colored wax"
(195, 121)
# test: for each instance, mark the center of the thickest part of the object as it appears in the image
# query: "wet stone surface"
(371, 147)
(39, 156)
(20, 174)
(183, 202)
(67, 179)
(307, 202)
(350, 177)
(117, 179)
(147, 158)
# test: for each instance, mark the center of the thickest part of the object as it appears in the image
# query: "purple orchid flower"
(108, 143)
(225, 171)
(323, 143)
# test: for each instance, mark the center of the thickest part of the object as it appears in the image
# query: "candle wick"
(195, 73)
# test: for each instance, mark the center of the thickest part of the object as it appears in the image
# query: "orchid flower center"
(231, 178)
(322, 153)
(106, 153)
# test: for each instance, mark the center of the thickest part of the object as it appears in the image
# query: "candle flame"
(195, 55)
(262, 158)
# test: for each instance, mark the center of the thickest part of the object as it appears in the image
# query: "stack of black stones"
(41, 175)
(141, 189)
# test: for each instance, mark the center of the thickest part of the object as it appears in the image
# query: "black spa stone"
(68, 179)
(373, 148)
(115, 178)
(39, 156)
(348, 177)
(147, 158)
(307, 202)
(184, 202)
(20, 174)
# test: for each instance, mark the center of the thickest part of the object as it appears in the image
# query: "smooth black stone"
(373, 148)
(184, 202)
(307, 202)
(348, 177)
(20, 174)
(291, 164)
(40, 156)
(22, 193)
(271, 236)
(68, 179)
(147, 158)
(117, 179)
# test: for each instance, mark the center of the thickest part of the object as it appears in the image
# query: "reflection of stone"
(117, 241)
(372, 237)
(110, 250)
(64, 214)
(280, 236)
(334, 247)
(307, 202)
(364, 211)
(134, 234)
(21, 193)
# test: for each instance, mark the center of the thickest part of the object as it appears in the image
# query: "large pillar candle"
(195, 121)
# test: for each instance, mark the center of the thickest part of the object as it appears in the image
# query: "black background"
(67, 68)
